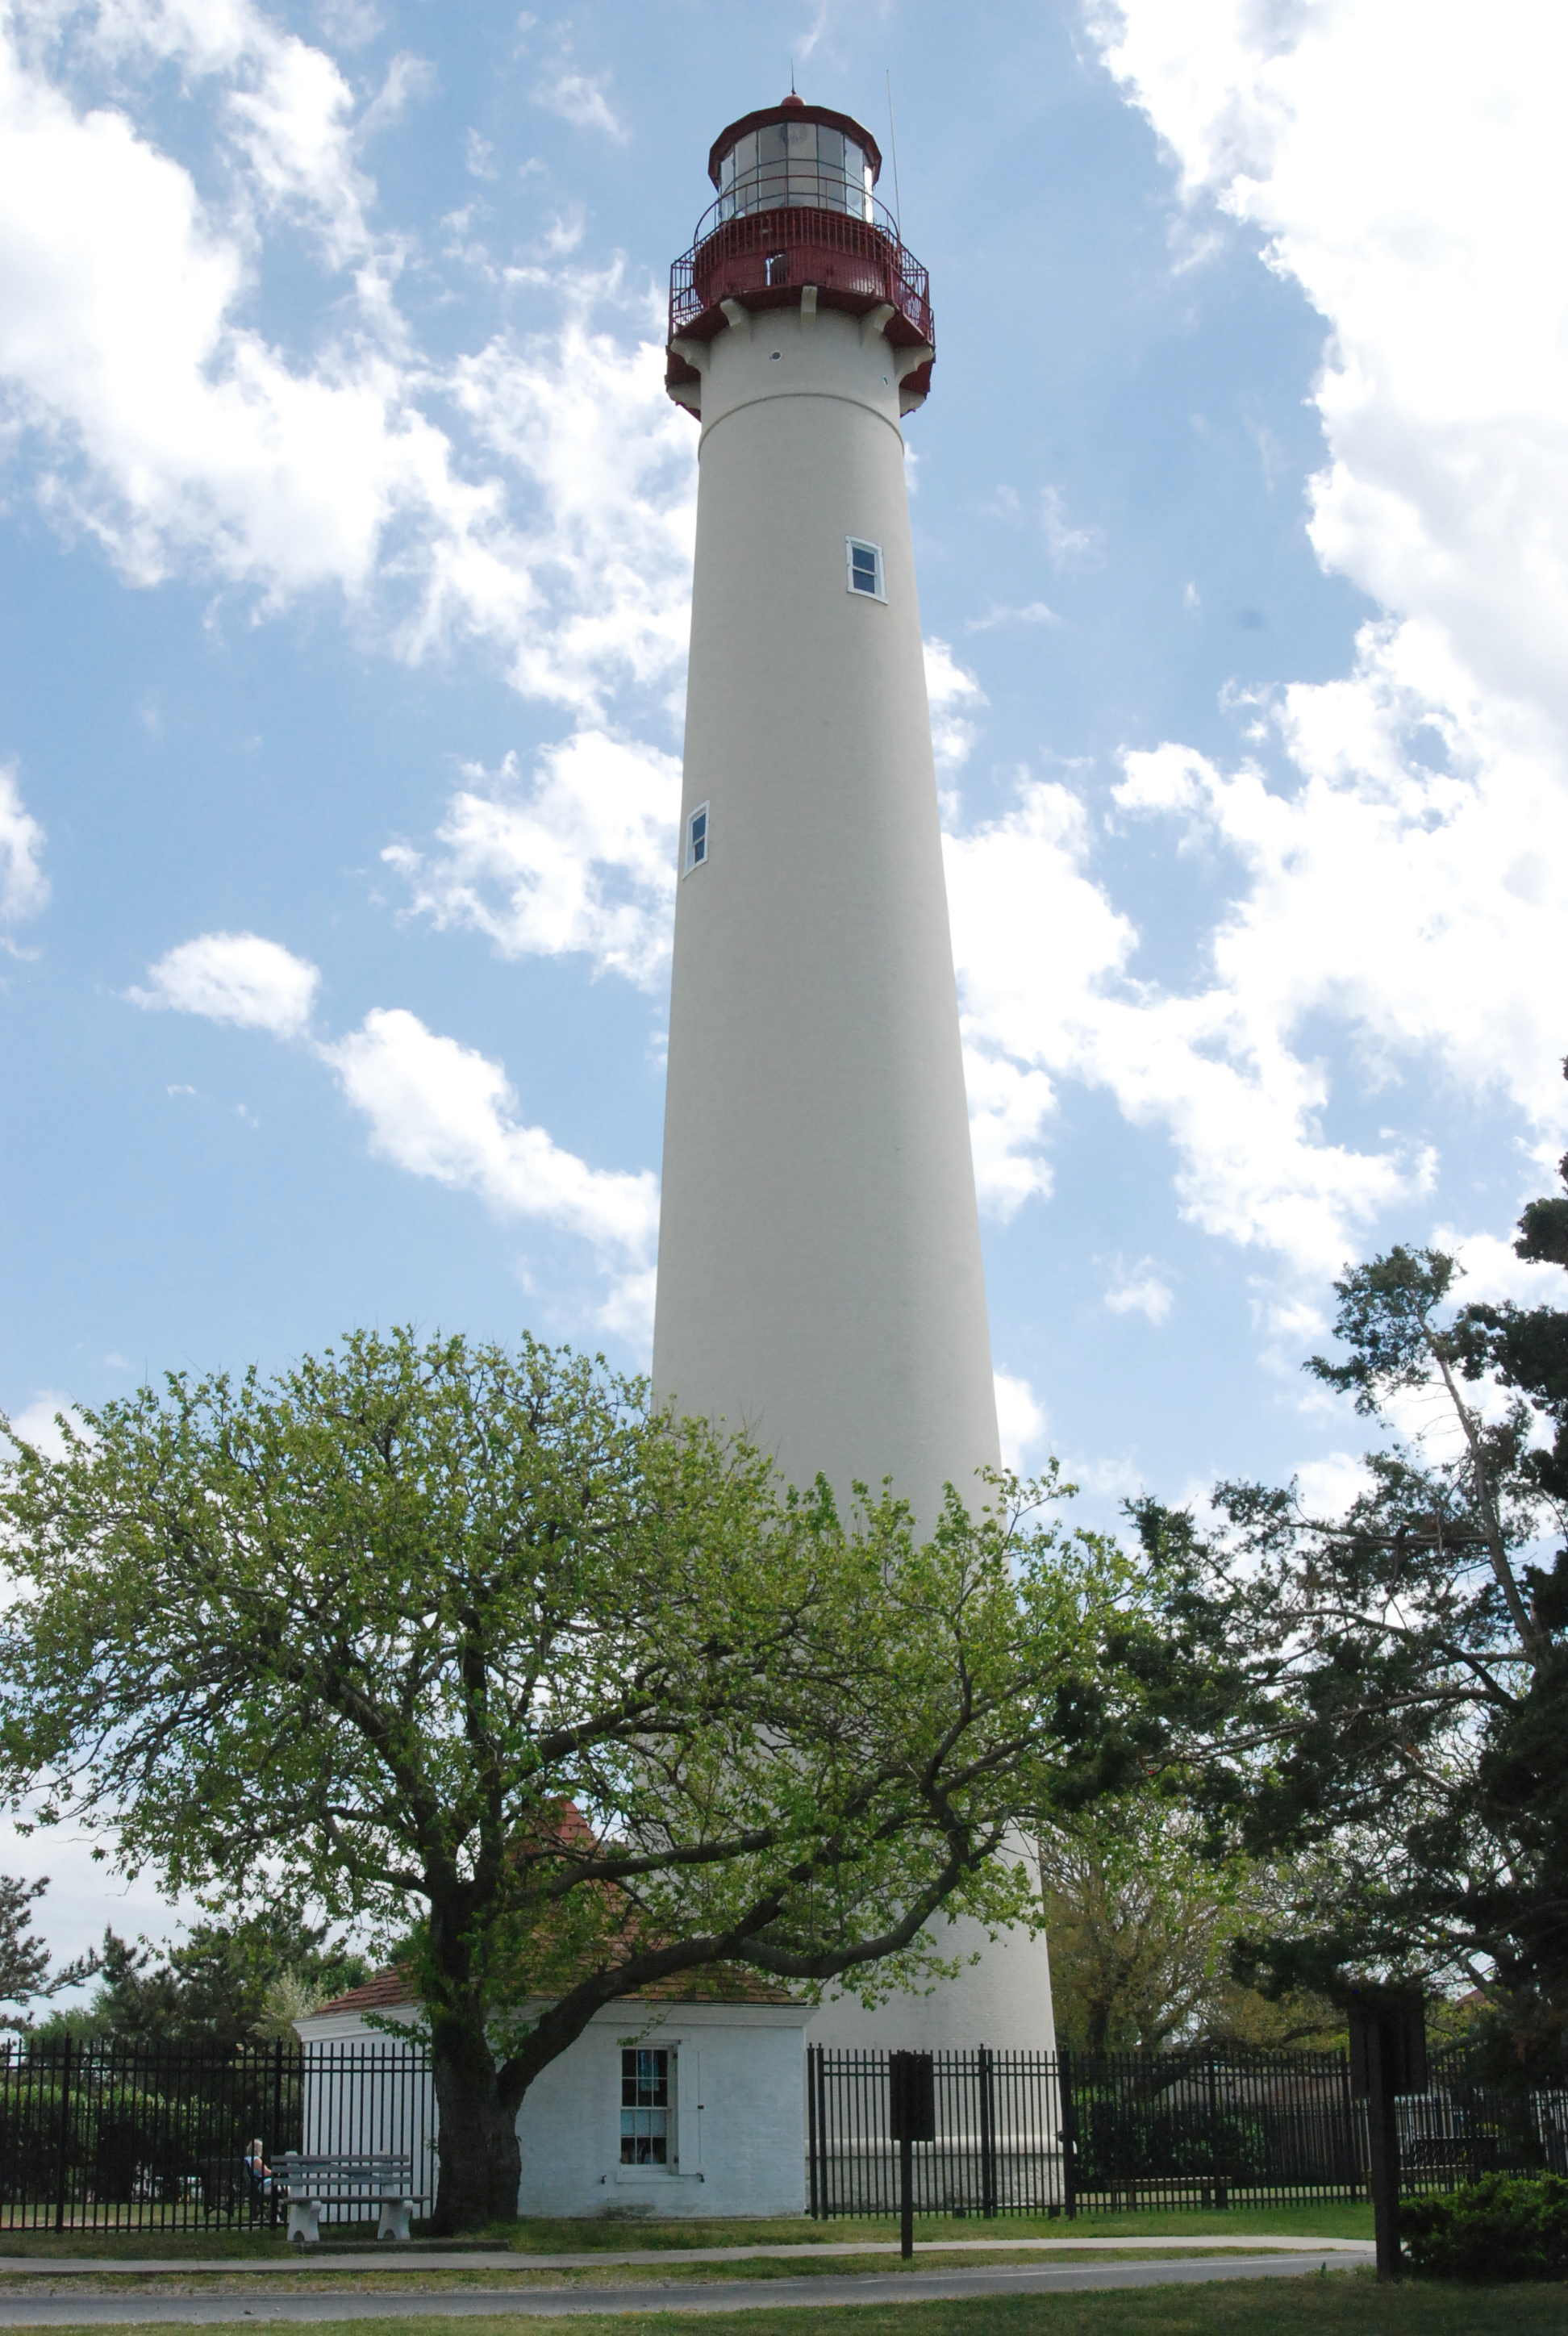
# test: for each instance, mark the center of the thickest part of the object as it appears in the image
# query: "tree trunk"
(480, 2164)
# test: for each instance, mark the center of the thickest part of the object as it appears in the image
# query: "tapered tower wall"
(820, 1280)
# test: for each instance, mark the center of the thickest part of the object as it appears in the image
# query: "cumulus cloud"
(1021, 1421)
(1412, 186)
(463, 497)
(1034, 612)
(955, 696)
(1047, 987)
(1068, 545)
(1141, 1289)
(1395, 841)
(234, 978)
(1413, 882)
(440, 1109)
(24, 887)
(580, 859)
(579, 99)
(435, 1107)
(38, 1422)
(1328, 1486)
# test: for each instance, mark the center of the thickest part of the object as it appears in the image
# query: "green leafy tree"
(24, 1973)
(1395, 1678)
(226, 1986)
(1143, 1910)
(377, 1631)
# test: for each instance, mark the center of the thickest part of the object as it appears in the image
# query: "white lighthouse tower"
(819, 1279)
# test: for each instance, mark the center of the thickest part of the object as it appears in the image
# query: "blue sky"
(343, 547)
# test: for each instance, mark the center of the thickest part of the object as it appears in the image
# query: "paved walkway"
(237, 2307)
(388, 2257)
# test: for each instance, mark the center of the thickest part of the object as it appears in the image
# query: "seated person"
(258, 2173)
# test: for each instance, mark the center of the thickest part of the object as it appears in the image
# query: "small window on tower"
(866, 569)
(697, 835)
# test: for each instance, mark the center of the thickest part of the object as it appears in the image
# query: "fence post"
(1216, 2154)
(276, 2135)
(812, 2051)
(1352, 2155)
(987, 2137)
(62, 2171)
(1067, 2135)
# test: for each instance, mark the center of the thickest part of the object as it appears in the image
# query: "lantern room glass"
(802, 165)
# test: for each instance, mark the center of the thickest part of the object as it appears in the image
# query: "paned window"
(865, 568)
(645, 2106)
(795, 165)
(696, 838)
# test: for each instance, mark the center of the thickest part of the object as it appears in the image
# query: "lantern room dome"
(797, 225)
(794, 155)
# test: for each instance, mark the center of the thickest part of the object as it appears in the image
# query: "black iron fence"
(104, 2138)
(1037, 2132)
(100, 2137)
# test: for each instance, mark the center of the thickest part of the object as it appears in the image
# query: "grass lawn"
(538, 2235)
(1339, 2303)
(410, 2277)
(1330, 2220)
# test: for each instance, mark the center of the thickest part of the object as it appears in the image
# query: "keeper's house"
(690, 2101)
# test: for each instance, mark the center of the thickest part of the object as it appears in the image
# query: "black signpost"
(911, 2117)
(1387, 2058)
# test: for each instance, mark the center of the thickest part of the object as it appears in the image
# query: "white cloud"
(1399, 844)
(580, 859)
(1068, 545)
(954, 695)
(1141, 1289)
(1413, 187)
(579, 99)
(1412, 875)
(593, 587)
(559, 528)
(234, 978)
(1413, 882)
(1328, 1486)
(1021, 1421)
(37, 1423)
(1009, 1108)
(1035, 612)
(1046, 985)
(1492, 1275)
(441, 1109)
(24, 887)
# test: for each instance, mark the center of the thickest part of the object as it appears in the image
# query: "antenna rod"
(893, 143)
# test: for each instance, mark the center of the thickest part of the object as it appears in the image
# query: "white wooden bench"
(346, 2178)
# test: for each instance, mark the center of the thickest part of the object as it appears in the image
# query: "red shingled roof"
(718, 1983)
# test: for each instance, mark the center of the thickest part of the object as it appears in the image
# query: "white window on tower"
(865, 568)
(645, 2132)
(698, 829)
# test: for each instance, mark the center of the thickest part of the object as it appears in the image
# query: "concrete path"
(415, 2261)
(237, 2307)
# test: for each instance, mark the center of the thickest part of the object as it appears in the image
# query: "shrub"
(1505, 2226)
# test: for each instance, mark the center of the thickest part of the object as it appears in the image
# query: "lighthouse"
(820, 1283)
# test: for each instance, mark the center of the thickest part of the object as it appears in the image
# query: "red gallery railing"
(764, 258)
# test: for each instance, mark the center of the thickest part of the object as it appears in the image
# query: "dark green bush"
(1505, 2226)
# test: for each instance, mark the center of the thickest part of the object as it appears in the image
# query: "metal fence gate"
(105, 2138)
(1039, 2132)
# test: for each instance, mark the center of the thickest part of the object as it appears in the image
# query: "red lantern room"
(796, 221)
